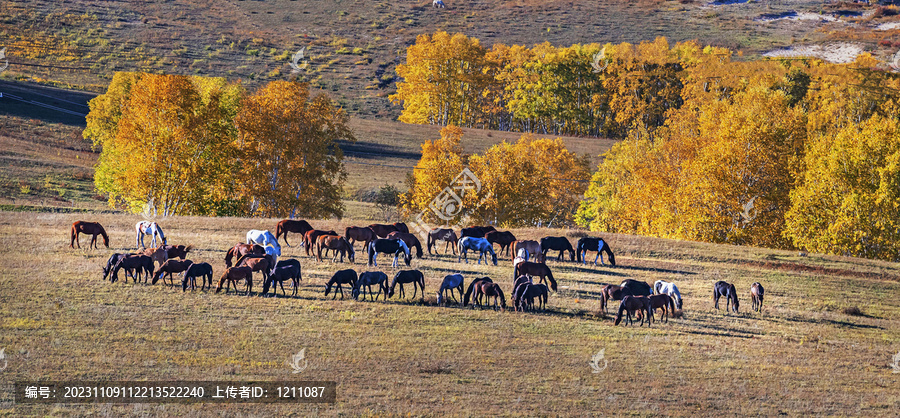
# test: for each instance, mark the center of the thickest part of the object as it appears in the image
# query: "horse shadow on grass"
(828, 322)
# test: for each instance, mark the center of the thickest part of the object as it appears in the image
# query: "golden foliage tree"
(442, 160)
(290, 161)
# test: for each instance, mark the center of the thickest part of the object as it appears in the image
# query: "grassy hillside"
(60, 321)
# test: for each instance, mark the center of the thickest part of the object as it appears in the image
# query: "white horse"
(150, 228)
(438, 3)
(451, 281)
(266, 239)
(521, 257)
(663, 287)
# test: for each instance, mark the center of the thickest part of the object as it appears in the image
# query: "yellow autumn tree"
(442, 160)
(290, 163)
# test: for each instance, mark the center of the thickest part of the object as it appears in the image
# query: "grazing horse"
(594, 244)
(756, 296)
(401, 227)
(560, 244)
(407, 276)
(169, 267)
(290, 225)
(178, 251)
(382, 230)
(476, 244)
(111, 262)
(637, 288)
(490, 290)
(663, 287)
(158, 254)
(284, 270)
(369, 279)
(93, 228)
(630, 304)
(341, 277)
(360, 233)
(535, 269)
(410, 240)
(663, 302)
(475, 283)
(533, 248)
(728, 290)
(264, 238)
(502, 238)
(264, 263)
(611, 292)
(451, 282)
(134, 263)
(388, 246)
(476, 231)
(527, 292)
(203, 270)
(336, 243)
(233, 274)
(442, 234)
(309, 240)
(241, 250)
(438, 4)
(149, 228)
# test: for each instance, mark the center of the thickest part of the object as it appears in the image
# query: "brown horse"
(401, 227)
(442, 234)
(336, 243)
(471, 289)
(93, 228)
(490, 290)
(159, 255)
(290, 225)
(264, 263)
(411, 241)
(756, 297)
(533, 248)
(241, 250)
(611, 292)
(309, 240)
(536, 270)
(382, 230)
(360, 233)
(663, 302)
(169, 267)
(178, 251)
(233, 274)
(135, 264)
(502, 238)
(630, 304)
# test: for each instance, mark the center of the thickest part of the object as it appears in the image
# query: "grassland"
(802, 356)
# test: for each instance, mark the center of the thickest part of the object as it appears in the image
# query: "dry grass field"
(803, 355)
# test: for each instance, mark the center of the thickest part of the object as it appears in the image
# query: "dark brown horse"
(256, 262)
(471, 289)
(158, 254)
(560, 244)
(535, 270)
(135, 264)
(401, 227)
(527, 292)
(631, 304)
(170, 266)
(728, 290)
(93, 228)
(341, 277)
(336, 243)
(502, 238)
(290, 225)
(203, 270)
(533, 248)
(111, 263)
(360, 233)
(178, 251)
(241, 250)
(475, 231)
(411, 241)
(611, 292)
(442, 234)
(756, 296)
(233, 274)
(382, 230)
(309, 240)
(490, 290)
(663, 302)
(407, 276)
(284, 270)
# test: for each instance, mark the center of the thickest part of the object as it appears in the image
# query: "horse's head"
(494, 258)
(355, 292)
(440, 298)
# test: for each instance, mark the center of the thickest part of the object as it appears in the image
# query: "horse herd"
(532, 280)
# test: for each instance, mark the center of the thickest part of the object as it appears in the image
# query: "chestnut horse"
(241, 250)
(264, 263)
(93, 228)
(336, 243)
(611, 292)
(411, 241)
(442, 234)
(728, 290)
(401, 227)
(560, 244)
(407, 276)
(471, 289)
(535, 269)
(290, 225)
(533, 248)
(630, 304)
(756, 296)
(309, 240)
(490, 290)
(382, 230)
(502, 238)
(178, 251)
(233, 274)
(170, 266)
(663, 302)
(360, 233)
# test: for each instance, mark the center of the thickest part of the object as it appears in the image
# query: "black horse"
(407, 276)
(636, 288)
(288, 269)
(476, 231)
(347, 276)
(560, 244)
(389, 246)
(136, 263)
(203, 270)
(594, 244)
(369, 279)
(113, 260)
(728, 290)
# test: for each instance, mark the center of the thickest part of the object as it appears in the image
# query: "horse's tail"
(73, 235)
(188, 248)
(578, 248)
(671, 303)
(468, 294)
(513, 249)
(278, 229)
(228, 256)
(371, 252)
(429, 242)
(551, 279)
